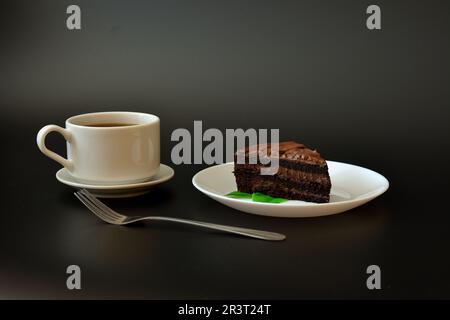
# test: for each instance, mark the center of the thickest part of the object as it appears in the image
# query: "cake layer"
(261, 182)
(285, 173)
(278, 188)
(322, 169)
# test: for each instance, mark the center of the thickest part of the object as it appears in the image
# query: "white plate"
(351, 186)
(118, 191)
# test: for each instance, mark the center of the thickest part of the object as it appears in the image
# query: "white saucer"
(118, 191)
(352, 186)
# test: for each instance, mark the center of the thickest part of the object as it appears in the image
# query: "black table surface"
(379, 100)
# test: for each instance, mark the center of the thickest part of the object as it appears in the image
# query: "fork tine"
(101, 205)
(92, 208)
(106, 214)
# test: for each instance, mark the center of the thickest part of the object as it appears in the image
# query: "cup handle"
(40, 139)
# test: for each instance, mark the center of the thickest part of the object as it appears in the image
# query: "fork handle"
(259, 234)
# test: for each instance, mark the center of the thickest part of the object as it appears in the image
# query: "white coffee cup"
(126, 153)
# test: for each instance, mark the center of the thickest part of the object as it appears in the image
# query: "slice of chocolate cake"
(302, 173)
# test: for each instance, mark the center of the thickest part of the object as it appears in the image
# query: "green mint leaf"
(239, 195)
(259, 197)
(256, 197)
(278, 200)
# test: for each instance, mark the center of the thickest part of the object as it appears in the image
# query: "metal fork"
(108, 215)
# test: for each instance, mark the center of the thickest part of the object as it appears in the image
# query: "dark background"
(379, 99)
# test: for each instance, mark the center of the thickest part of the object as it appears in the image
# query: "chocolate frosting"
(288, 150)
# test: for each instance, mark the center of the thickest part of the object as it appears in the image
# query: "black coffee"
(110, 124)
